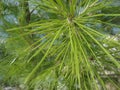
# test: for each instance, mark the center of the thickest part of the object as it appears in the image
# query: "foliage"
(62, 44)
